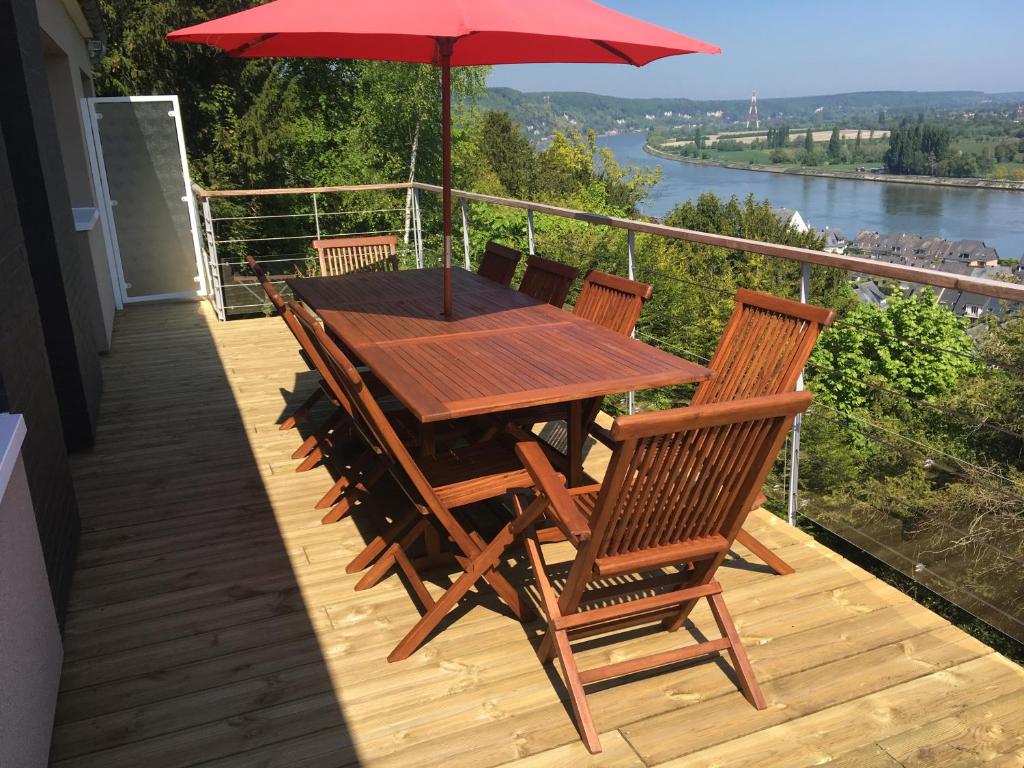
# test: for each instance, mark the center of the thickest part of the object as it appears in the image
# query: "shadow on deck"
(212, 621)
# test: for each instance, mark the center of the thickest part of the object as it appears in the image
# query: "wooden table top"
(501, 350)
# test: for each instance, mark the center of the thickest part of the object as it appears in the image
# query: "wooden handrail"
(934, 278)
(982, 286)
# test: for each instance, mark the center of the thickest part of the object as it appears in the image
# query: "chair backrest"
(369, 418)
(499, 263)
(341, 255)
(547, 280)
(306, 328)
(680, 484)
(612, 301)
(272, 293)
(764, 347)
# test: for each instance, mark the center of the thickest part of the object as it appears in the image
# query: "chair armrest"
(561, 506)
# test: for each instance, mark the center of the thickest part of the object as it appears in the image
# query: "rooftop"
(211, 619)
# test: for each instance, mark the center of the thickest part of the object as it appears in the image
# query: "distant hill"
(548, 111)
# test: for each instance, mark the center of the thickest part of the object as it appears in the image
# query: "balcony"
(211, 620)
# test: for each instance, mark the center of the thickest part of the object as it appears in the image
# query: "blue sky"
(807, 47)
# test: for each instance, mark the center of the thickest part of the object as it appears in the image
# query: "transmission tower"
(752, 114)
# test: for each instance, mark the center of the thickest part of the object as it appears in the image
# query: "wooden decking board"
(212, 622)
(981, 732)
(813, 739)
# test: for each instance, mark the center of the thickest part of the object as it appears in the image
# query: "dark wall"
(26, 387)
(63, 282)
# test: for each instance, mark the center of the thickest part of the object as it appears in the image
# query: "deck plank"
(211, 620)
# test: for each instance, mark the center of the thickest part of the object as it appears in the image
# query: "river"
(995, 216)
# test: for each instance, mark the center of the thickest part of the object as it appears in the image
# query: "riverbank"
(930, 181)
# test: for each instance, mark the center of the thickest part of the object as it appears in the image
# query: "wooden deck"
(212, 622)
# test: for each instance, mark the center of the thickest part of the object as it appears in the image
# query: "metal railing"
(930, 559)
(277, 227)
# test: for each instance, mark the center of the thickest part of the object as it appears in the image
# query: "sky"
(807, 47)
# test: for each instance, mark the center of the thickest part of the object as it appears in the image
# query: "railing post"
(316, 216)
(793, 500)
(211, 253)
(529, 229)
(417, 228)
(631, 274)
(465, 229)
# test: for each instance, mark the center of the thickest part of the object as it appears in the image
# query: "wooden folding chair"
(280, 307)
(341, 255)
(499, 263)
(763, 350)
(610, 301)
(436, 485)
(678, 488)
(548, 281)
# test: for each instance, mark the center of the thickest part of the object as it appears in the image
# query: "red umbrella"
(446, 33)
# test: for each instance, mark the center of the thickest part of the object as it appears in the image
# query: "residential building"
(55, 319)
(791, 218)
(835, 241)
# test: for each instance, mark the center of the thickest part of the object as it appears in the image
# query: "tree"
(919, 148)
(835, 147)
(507, 151)
(808, 155)
(778, 137)
(914, 346)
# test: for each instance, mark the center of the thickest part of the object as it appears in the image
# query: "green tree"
(914, 346)
(809, 155)
(835, 147)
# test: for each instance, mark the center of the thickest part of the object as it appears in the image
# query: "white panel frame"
(101, 194)
(107, 208)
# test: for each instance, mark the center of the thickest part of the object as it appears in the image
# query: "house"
(926, 252)
(835, 241)
(56, 318)
(975, 253)
(869, 292)
(972, 306)
(791, 218)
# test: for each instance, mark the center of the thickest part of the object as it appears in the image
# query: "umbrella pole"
(446, 172)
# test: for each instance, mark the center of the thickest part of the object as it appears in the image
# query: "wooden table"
(501, 350)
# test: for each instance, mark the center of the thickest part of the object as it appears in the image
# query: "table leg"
(427, 440)
(574, 443)
(581, 414)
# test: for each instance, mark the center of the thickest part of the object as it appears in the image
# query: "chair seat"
(472, 473)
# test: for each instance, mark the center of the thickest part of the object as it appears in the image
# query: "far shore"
(935, 181)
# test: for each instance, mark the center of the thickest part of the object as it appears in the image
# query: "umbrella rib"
(250, 45)
(615, 52)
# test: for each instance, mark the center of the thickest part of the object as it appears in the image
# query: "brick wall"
(63, 282)
(26, 387)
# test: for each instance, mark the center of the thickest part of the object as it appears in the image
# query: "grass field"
(762, 157)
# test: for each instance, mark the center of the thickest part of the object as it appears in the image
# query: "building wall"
(30, 647)
(64, 282)
(37, 321)
(69, 76)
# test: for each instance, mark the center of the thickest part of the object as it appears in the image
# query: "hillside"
(547, 111)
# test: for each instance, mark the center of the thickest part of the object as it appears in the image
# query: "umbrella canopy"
(446, 33)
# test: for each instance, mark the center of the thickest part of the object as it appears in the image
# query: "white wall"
(30, 645)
